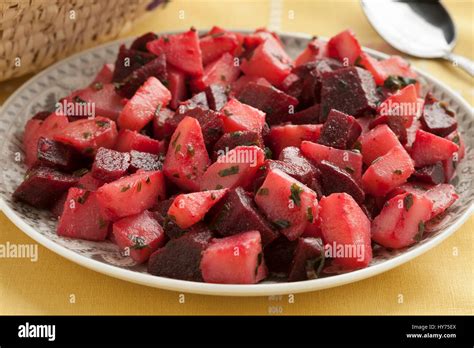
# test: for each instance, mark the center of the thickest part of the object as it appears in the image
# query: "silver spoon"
(422, 29)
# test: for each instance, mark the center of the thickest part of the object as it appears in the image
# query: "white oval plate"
(44, 89)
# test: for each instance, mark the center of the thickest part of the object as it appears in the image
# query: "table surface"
(438, 282)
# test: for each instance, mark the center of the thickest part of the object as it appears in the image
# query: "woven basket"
(36, 33)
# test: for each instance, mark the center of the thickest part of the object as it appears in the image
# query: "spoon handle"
(463, 62)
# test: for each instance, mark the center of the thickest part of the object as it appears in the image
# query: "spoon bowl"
(421, 29)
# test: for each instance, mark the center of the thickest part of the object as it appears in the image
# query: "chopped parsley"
(101, 123)
(158, 109)
(228, 171)
(82, 199)
(398, 172)
(147, 180)
(264, 191)
(309, 214)
(125, 188)
(139, 186)
(281, 224)
(86, 135)
(295, 194)
(173, 144)
(177, 148)
(102, 223)
(421, 230)
(138, 242)
(98, 86)
(408, 201)
(80, 172)
(350, 170)
(219, 186)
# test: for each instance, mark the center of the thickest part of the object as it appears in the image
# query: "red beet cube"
(340, 131)
(82, 217)
(181, 258)
(109, 165)
(139, 235)
(307, 260)
(144, 161)
(43, 186)
(233, 260)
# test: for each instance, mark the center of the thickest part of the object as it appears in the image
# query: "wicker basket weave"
(36, 33)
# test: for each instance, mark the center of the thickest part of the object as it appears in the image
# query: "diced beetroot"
(87, 135)
(237, 116)
(437, 118)
(89, 183)
(334, 179)
(222, 72)
(57, 155)
(82, 217)
(139, 235)
(297, 166)
(238, 167)
(230, 141)
(307, 116)
(279, 254)
(340, 131)
(288, 203)
(104, 75)
(43, 186)
(278, 106)
(131, 194)
(181, 258)
(36, 129)
(403, 104)
(344, 225)
(140, 109)
(349, 161)
(210, 122)
(105, 100)
(345, 47)
(156, 68)
(216, 97)
(110, 165)
(177, 87)
(58, 207)
(402, 221)
(307, 260)
(188, 209)
(244, 80)
(270, 61)
(429, 149)
(442, 196)
(395, 123)
(187, 157)
(182, 51)
(132, 140)
(140, 42)
(316, 49)
(159, 120)
(373, 65)
(431, 174)
(377, 142)
(233, 260)
(198, 100)
(356, 96)
(144, 161)
(292, 135)
(227, 216)
(388, 172)
(129, 60)
(217, 43)
(307, 87)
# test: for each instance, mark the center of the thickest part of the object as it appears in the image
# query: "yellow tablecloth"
(438, 282)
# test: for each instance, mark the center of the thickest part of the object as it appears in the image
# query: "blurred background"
(27, 288)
